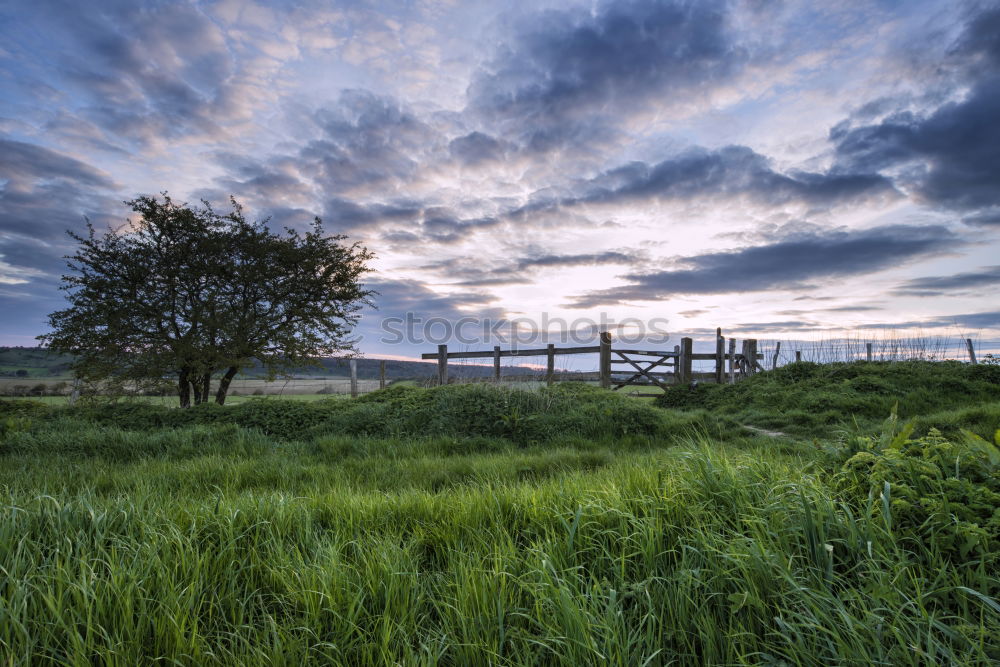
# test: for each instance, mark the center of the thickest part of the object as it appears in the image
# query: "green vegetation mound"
(807, 399)
(469, 410)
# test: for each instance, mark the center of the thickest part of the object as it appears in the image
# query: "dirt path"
(764, 431)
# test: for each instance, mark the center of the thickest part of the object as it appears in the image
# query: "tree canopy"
(188, 292)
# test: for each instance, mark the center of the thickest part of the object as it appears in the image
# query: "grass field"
(60, 388)
(475, 524)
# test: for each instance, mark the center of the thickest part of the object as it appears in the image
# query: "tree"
(189, 293)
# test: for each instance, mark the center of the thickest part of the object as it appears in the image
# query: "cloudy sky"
(778, 168)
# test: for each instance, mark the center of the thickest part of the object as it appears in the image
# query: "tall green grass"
(807, 399)
(213, 543)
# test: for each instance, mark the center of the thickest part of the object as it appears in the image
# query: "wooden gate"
(645, 375)
(647, 368)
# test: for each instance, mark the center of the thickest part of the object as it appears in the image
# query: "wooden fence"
(647, 368)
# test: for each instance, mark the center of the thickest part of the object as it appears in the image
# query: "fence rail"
(659, 368)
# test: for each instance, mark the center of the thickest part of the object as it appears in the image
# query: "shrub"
(805, 398)
(286, 419)
(943, 493)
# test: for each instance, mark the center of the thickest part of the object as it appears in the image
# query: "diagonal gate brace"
(642, 372)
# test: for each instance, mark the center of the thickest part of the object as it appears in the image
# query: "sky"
(779, 169)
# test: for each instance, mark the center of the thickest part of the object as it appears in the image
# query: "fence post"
(752, 354)
(972, 351)
(74, 395)
(496, 363)
(605, 360)
(381, 374)
(868, 351)
(732, 361)
(798, 356)
(774, 359)
(550, 368)
(354, 378)
(442, 364)
(720, 357)
(684, 362)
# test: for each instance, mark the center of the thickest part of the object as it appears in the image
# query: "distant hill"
(36, 362)
(32, 362)
(368, 369)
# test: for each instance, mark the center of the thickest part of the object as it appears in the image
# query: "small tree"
(187, 292)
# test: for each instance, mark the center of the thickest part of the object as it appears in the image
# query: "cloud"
(428, 310)
(985, 320)
(774, 327)
(149, 72)
(564, 67)
(937, 285)
(21, 162)
(367, 140)
(851, 309)
(42, 194)
(986, 218)
(523, 270)
(730, 171)
(946, 157)
(476, 148)
(696, 174)
(784, 264)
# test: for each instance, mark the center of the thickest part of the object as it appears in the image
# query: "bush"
(461, 410)
(286, 419)
(943, 493)
(806, 398)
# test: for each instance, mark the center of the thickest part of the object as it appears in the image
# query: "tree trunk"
(200, 384)
(184, 388)
(220, 395)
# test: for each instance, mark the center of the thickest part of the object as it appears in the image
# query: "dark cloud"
(474, 273)
(986, 276)
(562, 67)
(348, 216)
(398, 298)
(948, 156)
(694, 175)
(773, 327)
(367, 141)
(987, 320)
(149, 72)
(851, 309)
(440, 224)
(692, 313)
(729, 171)
(268, 185)
(21, 162)
(476, 148)
(420, 222)
(783, 264)
(986, 218)
(42, 194)
(586, 259)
